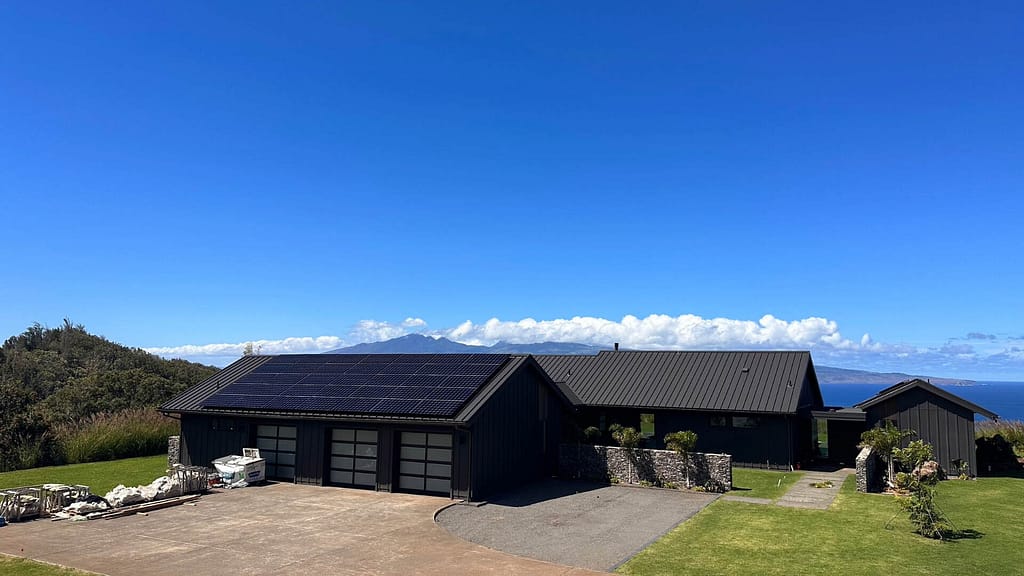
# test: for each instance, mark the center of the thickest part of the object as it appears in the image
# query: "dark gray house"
(943, 419)
(754, 405)
(458, 425)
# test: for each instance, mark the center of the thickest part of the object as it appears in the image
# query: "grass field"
(100, 477)
(850, 538)
(762, 483)
(10, 566)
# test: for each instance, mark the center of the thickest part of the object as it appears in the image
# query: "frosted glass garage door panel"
(411, 483)
(438, 485)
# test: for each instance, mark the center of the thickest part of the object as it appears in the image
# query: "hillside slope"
(52, 376)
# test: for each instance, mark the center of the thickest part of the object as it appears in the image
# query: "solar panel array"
(380, 384)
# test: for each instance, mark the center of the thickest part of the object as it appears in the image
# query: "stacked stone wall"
(869, 471)
(644, 466)
(173, 451)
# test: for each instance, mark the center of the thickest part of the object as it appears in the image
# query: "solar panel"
(455, 394)
(406, 384)
(395, 406)
(436, 408)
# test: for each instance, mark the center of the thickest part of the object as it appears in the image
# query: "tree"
(916, 453)
(885, 440)
(916, 495)
(628, 438)
(682, 443)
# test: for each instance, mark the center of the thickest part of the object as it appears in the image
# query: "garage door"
(353, 457)
(425, 463)
(277, 447)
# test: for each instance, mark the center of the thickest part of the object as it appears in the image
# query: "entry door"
(425, 463)
(277, 447)
(353, 457)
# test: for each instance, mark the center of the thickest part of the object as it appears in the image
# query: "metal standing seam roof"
(749, 381)
(193, 397)
(197, 398)
(897, 389)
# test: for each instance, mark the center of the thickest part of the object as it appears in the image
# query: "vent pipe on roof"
(616, 346)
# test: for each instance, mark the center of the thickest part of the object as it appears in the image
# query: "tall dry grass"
(111, 436)
(1011, 430)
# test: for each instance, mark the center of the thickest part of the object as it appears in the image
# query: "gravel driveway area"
(577, 524)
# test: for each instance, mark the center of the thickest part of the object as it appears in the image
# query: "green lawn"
(12, 566)
(100, 477)
(850, 538)
(762, 483)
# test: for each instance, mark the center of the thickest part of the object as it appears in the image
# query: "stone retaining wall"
(173, 451)
(658, 467)
(869, 471)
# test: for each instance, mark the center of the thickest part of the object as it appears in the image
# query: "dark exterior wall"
(843, 438)
(772, 444)
(514, 437)
(947, 426)
(204, 438)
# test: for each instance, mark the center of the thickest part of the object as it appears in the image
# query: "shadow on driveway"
(577, 524)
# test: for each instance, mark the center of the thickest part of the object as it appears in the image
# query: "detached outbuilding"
(456, 425)
(940, 418)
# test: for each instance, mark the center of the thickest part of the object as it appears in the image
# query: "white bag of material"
(121, 495)
(86, 507)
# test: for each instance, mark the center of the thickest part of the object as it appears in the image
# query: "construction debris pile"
(34, 501)
(59, 501)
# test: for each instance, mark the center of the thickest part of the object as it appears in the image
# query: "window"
(744, 422)
(719, 421)
(647, 425)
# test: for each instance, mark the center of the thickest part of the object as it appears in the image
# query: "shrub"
(915, 454)
(1011, 430)
(681, 442)
(885, 440)
(591, 434)
(919, 504)
(628, 438)
(111, 436)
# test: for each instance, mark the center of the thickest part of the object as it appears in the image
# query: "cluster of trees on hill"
(53, 378)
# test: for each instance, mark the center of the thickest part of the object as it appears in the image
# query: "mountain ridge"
(421, 344)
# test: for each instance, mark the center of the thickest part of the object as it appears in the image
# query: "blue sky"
(189, 177)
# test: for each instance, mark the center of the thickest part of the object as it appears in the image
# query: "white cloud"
(661, 332)
(658, 332)
(299, 345)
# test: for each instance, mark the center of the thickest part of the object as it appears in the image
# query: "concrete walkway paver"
(804, 495)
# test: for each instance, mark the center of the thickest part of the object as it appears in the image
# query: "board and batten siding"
(947, 426)
(514, 437)
(204, 438)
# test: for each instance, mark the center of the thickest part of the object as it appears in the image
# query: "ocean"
(1004, 398)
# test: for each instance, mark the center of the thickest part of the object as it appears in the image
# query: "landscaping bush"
(1011, 430)
(110, 436)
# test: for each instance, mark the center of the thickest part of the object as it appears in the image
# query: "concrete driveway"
(578, 524)
(273, 529)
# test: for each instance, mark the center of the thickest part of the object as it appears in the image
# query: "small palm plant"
(682, 443)
(628, 438)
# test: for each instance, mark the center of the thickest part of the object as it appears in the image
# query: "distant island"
(420, 344)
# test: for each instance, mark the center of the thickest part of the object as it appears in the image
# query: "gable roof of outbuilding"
(743, 381)
(907, 385)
